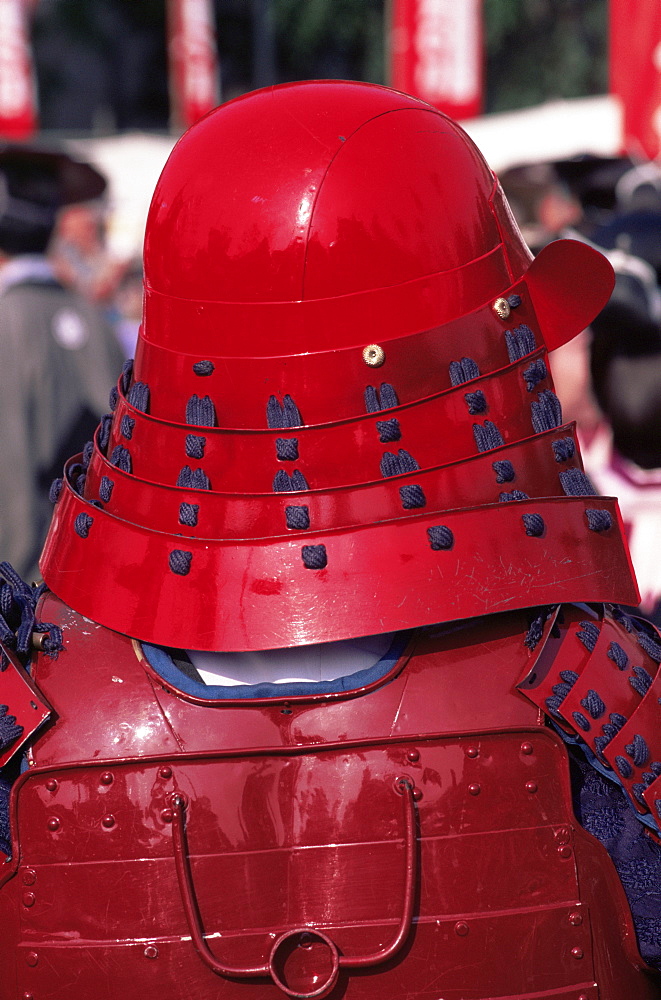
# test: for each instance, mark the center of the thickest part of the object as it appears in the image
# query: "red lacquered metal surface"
(23, 703)
(492, 564)
(299, 847)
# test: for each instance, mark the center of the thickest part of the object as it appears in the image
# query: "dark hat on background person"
(34, 184)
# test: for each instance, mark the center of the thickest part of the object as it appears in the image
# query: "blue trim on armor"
(162, 663)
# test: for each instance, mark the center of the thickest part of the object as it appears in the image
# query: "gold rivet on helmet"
(501, 307)
(373, 355)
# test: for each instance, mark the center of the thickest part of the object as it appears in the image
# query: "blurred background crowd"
(562, 96)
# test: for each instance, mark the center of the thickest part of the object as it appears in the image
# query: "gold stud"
(501, 307)
(373, 355)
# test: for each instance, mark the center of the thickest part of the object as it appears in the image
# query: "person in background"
(58, 354)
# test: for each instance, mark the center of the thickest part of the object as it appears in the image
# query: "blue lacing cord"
(297, 517)
(204, 368)
(126, 426)
(388, 430)
(588, 635)
(193, 479)
(105, 488)
(514, 495)
(399, 464)
(536, 628)
(546, 411)
(504, 471)
(103, 433)
(560, 691)
(383, 399)
(286, 449)
(476, 402)
(487, 436)
(535, 373)
(533, 524)
(200, 411)
(618, 656)
(285, 414)
(18, 603)
(121, 457)
(599, 520)
(194, 446)
(412, 496)
(284, 483)
(314, 556)
(576, 484)
(563, 449)
(126, 375)
(440, 537)
(180, 561)
(188, 514)
(463, 371)
(82, 524)
(520, 341)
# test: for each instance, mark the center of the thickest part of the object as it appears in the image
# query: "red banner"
(436, 53)
(635, 72)
(193, 59)
(17, 88)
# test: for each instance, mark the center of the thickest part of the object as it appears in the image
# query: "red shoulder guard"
(23, 710)
(598, 677)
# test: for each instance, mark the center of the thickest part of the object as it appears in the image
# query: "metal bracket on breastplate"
(22, 708)
(274, 966)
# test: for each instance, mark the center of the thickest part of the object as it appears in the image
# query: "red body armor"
(414, 838)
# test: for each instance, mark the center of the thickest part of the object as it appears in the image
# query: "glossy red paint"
(294, 848)
(335, 291)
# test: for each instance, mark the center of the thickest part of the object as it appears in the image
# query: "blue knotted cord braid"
(535, 373)
(9, 730)
(487, 436)
(200, 411)
(180, 561)
(563, 449)
(82, 524)
(476, 402)
(560, 691)
(314, 556)
(514, 495)
(412, 496)
(125, 377)
(286, 449)
(546, 411)
(113, 398)
(285, 414)
(599, 520)
(621, 617)
(55, 490)
(576, 484)
(440, 537)
(388, 430)
(103, 433)
(534, 525)
(638, 750)
(593, 704)
(193, 479)
(88, 451)
(623, 766)
(194, 446)
(588, 635)
(79, 485)
(384, 399)
(536, 627)
(641, 681)
(514, 301)
(188, 514)
(504, 471)
(463, 371)
(397, 465)
(204, 367)
(651, 647)
(610, 730)
(105, 488)
(138, 396)
(581, 721)
(520, 341)
(618, 656)
(284, 483)
(18, 604)
(297, 517)
(126, 426)
(121, 457)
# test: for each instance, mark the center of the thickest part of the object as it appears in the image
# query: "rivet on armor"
(531, 786)
(575, 919)
(165, 772)
(108, 821)
(526, 748)
(32, 958)
(474, 789)
(417, 795)
(28, 898)
(374, 355)
(565, 851)
(106, 778)
(28, 996)
(51, 784)
(577, 953)
(151, 951)
(413, 756)
(472, 752)
(29, 876)
(562, 835)
(167, 815)
(53, 823)
(461, 928)
(502, 308)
